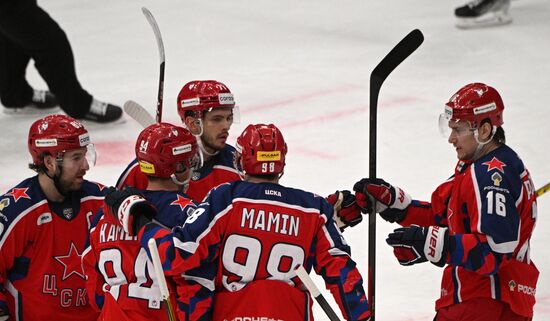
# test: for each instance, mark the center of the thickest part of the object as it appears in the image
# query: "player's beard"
(211, 143)
(70, 184)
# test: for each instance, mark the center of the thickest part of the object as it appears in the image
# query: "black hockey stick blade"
(395, 57)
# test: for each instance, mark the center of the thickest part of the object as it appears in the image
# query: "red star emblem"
(18, 193)
(495, 163)
(182, 202)
(71, 263)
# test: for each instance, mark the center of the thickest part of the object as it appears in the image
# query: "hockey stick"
(314, 290)
(162, 281)
(138, 113)
(399, 53)
(543, 189)
(160, 45)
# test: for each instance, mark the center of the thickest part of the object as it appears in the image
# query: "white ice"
(305, 66)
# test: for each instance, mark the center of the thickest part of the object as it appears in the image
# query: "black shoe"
(101, 112)
(42, 101)
(481, 13)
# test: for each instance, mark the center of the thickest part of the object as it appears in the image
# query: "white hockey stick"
(314, 290)
(138, 113)
(160, 277)
(151, 19)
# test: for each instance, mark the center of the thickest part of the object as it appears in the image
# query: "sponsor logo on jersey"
(84, 139)
(496, 179)
(525, 289)
(485, 108)
(256, 318)
(178, 150)
(226, 99)
(44, 218)
(146, 167)
(50, 142)
(4, 203)
(268, 156)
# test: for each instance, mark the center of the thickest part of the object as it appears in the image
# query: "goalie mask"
(261, 150)
(163, 149)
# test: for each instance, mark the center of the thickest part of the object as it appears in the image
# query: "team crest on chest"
(195, 176)
(68, 213)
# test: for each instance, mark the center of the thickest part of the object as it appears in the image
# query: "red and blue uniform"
(40, 252)
(121, 279)
(490, 209)
(217, 170)
(257, 233)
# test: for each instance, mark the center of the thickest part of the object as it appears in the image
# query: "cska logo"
(143, 146)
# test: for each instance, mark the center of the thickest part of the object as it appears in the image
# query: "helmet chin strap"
(57, 182)
(183, 185)
(203, 149)
(481, 145)
(199, 140)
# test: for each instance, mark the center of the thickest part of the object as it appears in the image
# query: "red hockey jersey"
(257, 233)
(217, 170)
(490, 209)
(40, 250)
(120, 277)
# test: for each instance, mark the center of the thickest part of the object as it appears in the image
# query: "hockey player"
(479, 222)
(483, 13)
(120, 277)
(257, 231)
(44, 224)
(207, 109)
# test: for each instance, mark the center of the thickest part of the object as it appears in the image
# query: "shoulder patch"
(495, 163)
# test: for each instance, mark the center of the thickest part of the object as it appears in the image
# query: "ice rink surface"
(305, 66)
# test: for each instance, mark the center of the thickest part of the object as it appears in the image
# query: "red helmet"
(55, 134)
(262, 150)
(203, 95)
(474, 103)
(161, 147)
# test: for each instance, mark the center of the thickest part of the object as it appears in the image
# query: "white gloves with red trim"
(130, 208)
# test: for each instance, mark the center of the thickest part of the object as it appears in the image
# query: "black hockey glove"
(130, 208)
(415, 244)
(347, 208)
(391, 201)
